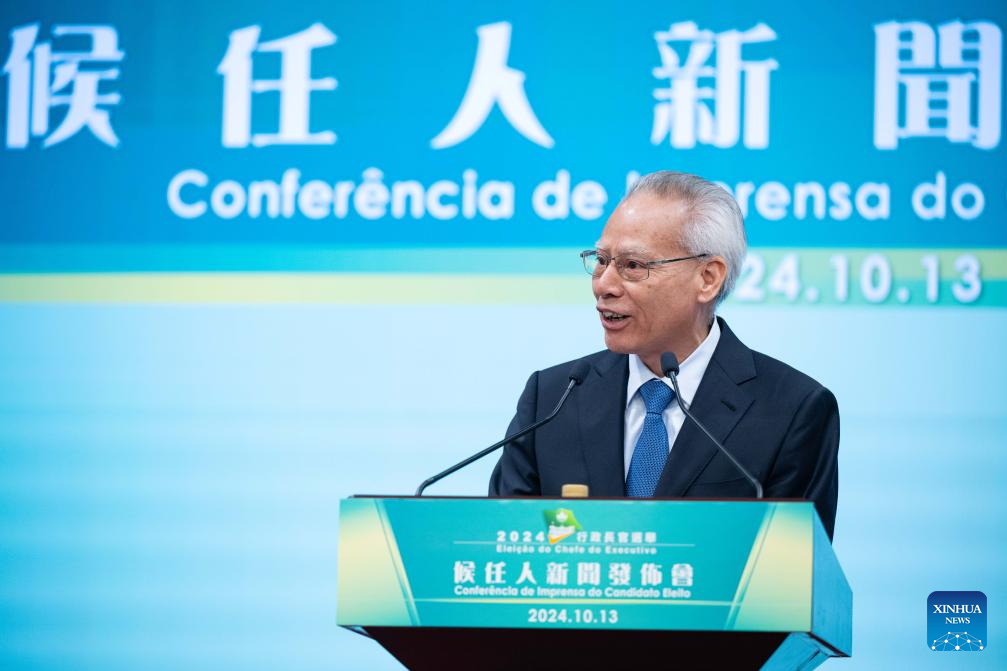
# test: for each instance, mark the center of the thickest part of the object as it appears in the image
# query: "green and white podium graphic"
(520, 563)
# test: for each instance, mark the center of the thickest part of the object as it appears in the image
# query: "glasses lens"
(633, 270)
(591, 264)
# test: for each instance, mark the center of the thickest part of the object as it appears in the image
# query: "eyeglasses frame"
(647, 264)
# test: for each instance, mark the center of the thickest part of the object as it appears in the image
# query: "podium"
(527, 583)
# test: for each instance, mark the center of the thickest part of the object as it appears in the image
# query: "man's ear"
(712, 276)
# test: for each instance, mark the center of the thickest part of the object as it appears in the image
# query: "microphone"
(577, 374)
(669, 365)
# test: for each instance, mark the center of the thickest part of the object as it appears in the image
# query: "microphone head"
(669, 364)
(579, 371)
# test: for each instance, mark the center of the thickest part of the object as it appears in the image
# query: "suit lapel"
(602, 412)
(719, 403)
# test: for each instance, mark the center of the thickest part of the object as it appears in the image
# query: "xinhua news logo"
(956, 621)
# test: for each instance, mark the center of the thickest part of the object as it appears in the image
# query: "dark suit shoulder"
(561, 372)
(790, 381)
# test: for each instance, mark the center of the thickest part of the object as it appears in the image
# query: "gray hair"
(714, 223)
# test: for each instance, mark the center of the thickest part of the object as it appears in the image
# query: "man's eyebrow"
(627, 251)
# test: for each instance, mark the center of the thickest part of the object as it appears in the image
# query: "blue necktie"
(652, 447)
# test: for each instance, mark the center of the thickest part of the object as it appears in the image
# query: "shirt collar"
(690, 371)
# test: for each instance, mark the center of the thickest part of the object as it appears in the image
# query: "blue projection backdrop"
(256, 257)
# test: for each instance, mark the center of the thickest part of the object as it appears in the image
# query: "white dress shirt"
(690, 375)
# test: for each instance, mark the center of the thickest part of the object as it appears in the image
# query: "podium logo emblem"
(956, 621)
(561, 523)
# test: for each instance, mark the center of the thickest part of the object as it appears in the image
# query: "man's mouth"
(610, 316)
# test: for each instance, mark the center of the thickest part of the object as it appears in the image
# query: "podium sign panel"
(728, 566)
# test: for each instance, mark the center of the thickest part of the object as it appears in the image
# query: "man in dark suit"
(669, 254)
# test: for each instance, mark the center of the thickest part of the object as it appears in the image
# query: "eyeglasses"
(629, 269)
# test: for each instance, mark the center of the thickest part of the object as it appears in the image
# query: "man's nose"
(609, 283)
